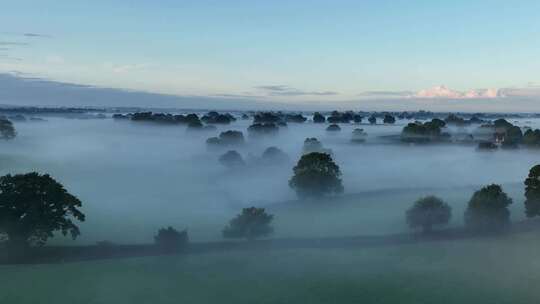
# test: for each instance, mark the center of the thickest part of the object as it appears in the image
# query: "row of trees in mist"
(487, 211)
(33, 207)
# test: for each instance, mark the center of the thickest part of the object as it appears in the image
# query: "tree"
(389, 119)
(531, 138)
(358, 136)
(171, 240)
(428, 212)
(251, 223)
(274, 155)
(232, 159)
(231, 137)
(487, 210)
(7, 131)
(259, 129)
(318, 118)
(372, 119)
(532, 192)
(315, 175)
(33, 206)
(333, 128)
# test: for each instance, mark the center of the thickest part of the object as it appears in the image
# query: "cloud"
(284, 90)
(35, 35)
(124, 68)
(386, 94)
(13, 43)
(528, 92)
(444, 92)
(26, 34)
(8, 57)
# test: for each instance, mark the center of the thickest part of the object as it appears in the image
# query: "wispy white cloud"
(445, 92)
(124, 68)
(285, 90)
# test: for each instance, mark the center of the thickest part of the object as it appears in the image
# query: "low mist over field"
(273, 152)
(150, 175)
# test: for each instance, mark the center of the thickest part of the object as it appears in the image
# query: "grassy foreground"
(503, 270)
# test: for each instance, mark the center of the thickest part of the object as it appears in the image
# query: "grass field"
(503, 270)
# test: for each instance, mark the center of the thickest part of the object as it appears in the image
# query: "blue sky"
(278, 50)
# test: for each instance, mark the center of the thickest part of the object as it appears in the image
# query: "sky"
(280, 51)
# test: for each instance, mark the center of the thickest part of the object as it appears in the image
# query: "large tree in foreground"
(427, 212)
(315, 175)
(250, 224)
(532, 192)
(33, 206)
(487, 210)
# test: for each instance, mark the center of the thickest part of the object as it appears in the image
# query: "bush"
(171, 240)
(250, 224)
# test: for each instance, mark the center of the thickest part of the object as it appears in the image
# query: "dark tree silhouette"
(318, 118)
(171, 240)
(372, 119)
(389, 119)
(7, 131)
(274, 155)
(532, 192)
(250, 224)
(487, 210)
(531, 138)
(315, 175)
(427, 212)
(259, 129)
(33, 206)
(232, 159)
(358, 136)
(231, 137)
(333, 128)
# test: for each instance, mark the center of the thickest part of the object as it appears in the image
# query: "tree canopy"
(532, 192)
(171, 240)
(389, 119)
(250, 224)
(232, 159)
(318, 118)
(33, 206)
(315, 175)
(7, 131)
(428, 212)
(487, 210)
